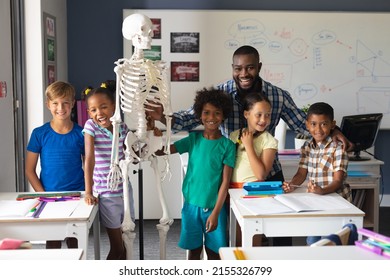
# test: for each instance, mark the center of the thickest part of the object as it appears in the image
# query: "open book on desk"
(14, 208)
(292, 203)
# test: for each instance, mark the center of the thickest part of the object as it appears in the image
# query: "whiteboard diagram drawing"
(370, 64)
(373, 96)
(334, 57)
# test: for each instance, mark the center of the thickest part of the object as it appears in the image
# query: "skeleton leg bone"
(165, 221)
(128, 234)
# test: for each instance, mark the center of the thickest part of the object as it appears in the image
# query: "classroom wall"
(95, 40)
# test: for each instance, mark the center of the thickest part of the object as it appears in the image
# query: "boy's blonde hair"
(60, 89)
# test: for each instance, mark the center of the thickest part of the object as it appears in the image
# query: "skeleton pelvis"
(142, 150)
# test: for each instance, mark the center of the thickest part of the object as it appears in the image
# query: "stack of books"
(289, 154)
(52, 196)
(374, 242)
(263, 188)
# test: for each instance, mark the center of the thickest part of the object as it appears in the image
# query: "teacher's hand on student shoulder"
(338, 136)
(155, 111)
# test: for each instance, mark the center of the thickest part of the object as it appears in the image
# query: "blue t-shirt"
(60, 156)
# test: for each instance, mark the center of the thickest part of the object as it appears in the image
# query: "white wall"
(37, 114)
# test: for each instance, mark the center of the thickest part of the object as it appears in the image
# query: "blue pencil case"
(263, 186)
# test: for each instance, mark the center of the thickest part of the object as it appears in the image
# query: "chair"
(346, 236)
(280, 134)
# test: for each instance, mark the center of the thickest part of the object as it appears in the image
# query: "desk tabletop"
(350, 210)
(82, 211)
(41, 254)
(293, 161)
(301, 253)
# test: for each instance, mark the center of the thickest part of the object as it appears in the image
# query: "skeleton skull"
(139, 29)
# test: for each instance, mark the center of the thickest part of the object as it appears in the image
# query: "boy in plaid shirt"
(323, 161)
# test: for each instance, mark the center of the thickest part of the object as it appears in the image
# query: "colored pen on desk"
(39, 209)
(239, 254)
(296, 186)
(258, 196)
(58, 198)
(71, 197)
(31, 212)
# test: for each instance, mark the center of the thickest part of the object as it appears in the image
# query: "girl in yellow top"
(256, 147)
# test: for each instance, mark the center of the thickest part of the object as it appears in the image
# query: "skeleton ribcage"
(142, 81)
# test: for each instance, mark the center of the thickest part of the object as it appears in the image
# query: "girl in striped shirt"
(98, 142)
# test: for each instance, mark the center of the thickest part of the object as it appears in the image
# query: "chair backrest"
(280, 134)
(323, 242)
(345, 236)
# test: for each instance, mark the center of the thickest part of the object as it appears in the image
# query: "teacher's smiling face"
(246, 69)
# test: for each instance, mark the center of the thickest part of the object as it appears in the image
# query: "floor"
(151, 242)
(151, 246)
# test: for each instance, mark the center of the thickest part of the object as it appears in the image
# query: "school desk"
(301, 253)
(76, 225)
(315, 223)
(41, 254)
(363, 176)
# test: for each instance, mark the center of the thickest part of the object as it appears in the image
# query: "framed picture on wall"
(50, 49)
(156, 28)
(50, 46)
(154, 53)
(51, 74)
(185, 71)
(185, 42)
(50, 26)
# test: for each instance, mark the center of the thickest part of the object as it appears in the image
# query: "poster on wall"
(50, 50)
(50, 45)
(156, 28)
(51, 74)
(154, 53)
(185, 42)
(185, 71)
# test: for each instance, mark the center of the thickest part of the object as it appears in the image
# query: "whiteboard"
(335, 57)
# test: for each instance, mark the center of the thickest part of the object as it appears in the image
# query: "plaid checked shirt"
(322, 160)
(283, 107)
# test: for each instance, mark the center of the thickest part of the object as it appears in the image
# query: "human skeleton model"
(140, 82)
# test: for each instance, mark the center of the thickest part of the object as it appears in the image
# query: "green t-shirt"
(206, 160)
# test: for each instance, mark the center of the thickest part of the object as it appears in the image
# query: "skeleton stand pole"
(140, 209)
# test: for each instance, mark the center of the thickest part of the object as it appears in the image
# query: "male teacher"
(246, 78)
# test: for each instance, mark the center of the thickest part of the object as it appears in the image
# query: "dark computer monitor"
(361, 130)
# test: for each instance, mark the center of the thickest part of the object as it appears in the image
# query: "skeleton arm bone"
(115, 175)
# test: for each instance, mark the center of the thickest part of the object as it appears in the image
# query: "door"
(7, 124)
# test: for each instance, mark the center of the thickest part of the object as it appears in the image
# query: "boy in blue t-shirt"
(60, 146)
